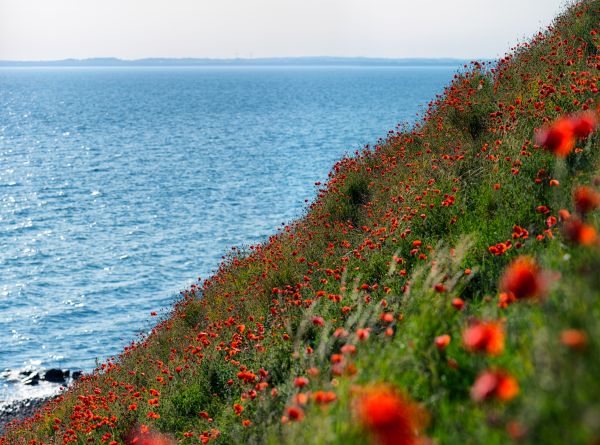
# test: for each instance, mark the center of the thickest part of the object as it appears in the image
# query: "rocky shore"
(19, 410)
(26, 382)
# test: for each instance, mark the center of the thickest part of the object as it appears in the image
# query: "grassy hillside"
(444, 288)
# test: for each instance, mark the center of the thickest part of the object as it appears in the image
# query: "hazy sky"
(57, 29)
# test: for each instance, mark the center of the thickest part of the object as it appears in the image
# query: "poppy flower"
(584, 124)
(324, 397)
(391, 417)
(586, 199)
(580, 233)
(150, 439)
(564, 214)
(458, 303)
(295, 413)
(363, 334)
(484, 336)
(497, 384)
(300, 382)
(562, 135)
(442, 341)
(523, 279)
(505, 299)
(559, 138)
(574, 338)
(318, 321)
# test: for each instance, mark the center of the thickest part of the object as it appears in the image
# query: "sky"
(133, 29)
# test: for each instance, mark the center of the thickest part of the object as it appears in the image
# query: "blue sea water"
(119, 187)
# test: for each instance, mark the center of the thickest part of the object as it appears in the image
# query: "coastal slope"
(443, 286)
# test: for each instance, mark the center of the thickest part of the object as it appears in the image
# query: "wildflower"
(348, 349)
(562, 135)
(516, 430)
(564, 214)
(485, 337)
(458, 303)
(363, 334)
(505, 299)
(318, 321)
(313, 371)
(337, 358)
(442, 341)
(523, 279)
(559, 138)
(295, 413)
(584, 124)
(574, 338)
(586, 199)
(340, 332)
(580, 233)
(300, 382)
(494, 384)
(324, 397)
(392, 418)
(387, 317)
(147, 438)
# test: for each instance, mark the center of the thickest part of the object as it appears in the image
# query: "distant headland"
(274, 61)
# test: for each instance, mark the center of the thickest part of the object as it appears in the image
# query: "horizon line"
(107, 61)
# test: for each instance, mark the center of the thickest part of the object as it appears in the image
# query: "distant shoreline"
(277, 61)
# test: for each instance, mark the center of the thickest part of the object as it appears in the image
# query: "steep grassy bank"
(437, 288)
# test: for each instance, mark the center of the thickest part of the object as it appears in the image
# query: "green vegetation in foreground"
(284, 341)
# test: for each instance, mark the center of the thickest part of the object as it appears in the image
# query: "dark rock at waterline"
(30, 378)
(55, 375)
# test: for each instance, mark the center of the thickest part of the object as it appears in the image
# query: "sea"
(122, 186)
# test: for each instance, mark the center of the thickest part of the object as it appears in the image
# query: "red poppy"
(484, 336)
(584, 124)
(147, 438)
(494, 384)
(580, 233)
(586, 199)
(574, 338)
(442, 341)
(392, 418)
(295, 413)
(300, 382)
(458, 303)
(324, 397)
(523, 278)
(559, 138)
(363, 334)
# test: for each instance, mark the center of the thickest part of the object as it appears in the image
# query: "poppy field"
(443, 288)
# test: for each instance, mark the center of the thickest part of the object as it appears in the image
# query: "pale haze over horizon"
(128, 29)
